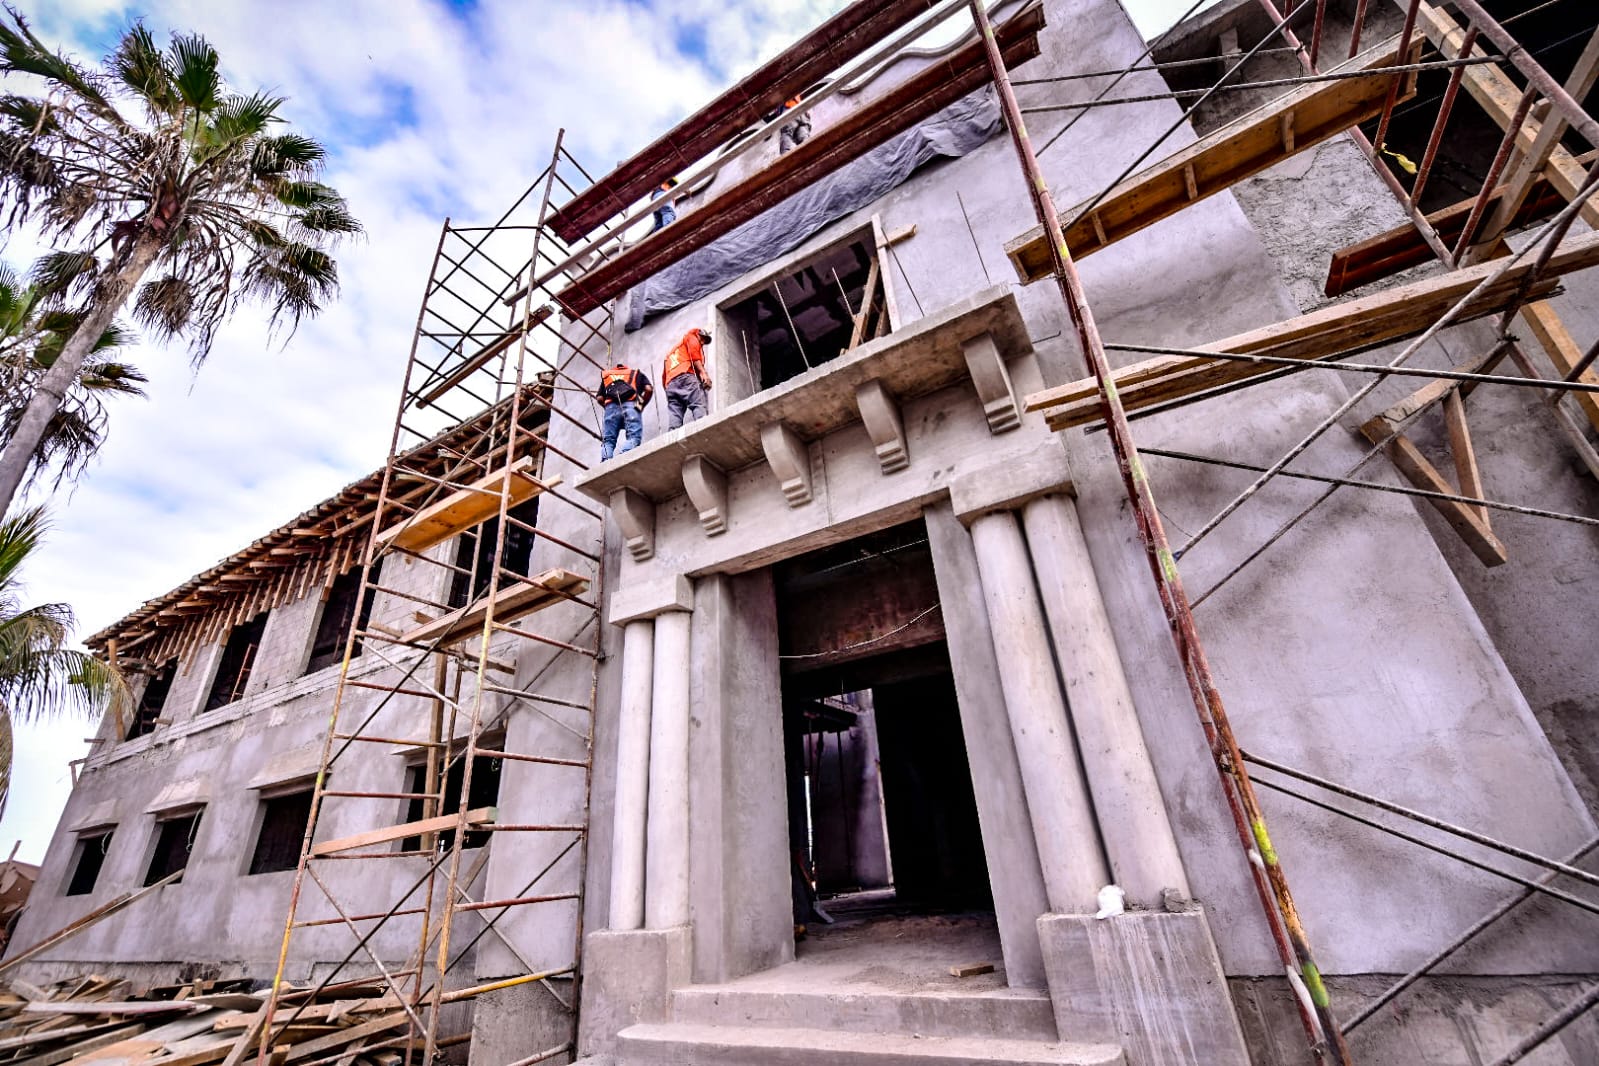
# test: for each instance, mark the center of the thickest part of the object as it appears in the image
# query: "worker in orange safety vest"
(685, 379)
(623, 393)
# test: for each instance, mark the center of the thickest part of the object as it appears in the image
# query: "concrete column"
(1132, 816)
(666, 894)
(1057, 796)
(632, 776)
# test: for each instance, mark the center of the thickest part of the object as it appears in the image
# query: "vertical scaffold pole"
(1247, 814)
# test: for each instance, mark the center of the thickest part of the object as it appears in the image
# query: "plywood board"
(550, 587)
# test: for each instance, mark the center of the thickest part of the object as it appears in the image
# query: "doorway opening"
(882, 815)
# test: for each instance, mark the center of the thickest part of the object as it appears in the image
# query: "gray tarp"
(954, 131)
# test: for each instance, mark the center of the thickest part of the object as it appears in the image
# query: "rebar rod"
(1380, 139)
(1492, 843)
(1539, 78)
(1465, 937)
(1567, 1014)
(1445, 108)
(1400, 490)
(1496, 169)
(1271, 883)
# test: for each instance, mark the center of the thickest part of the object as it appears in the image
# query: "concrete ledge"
(1150, 981)
(1006, 486)
(627, 980)
(636, 601)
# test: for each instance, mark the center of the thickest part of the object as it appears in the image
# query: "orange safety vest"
(618, 375)
(683, 358)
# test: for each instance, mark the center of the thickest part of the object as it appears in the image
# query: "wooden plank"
(1498, 95)
(481, 816)
(313, 1048)
(1461, 517)
(857, 333)
(252, 1033)
(465, 508)
(1376, 319)
(83, 1048)
(486, 353)
(172, 1006)
(551, 587)
(74, 928)
(1466, 472)
(1250, 144)
(1563, 352)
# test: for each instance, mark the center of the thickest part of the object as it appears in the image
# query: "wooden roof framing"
(835, 42)
(311, 550)
(937, 86)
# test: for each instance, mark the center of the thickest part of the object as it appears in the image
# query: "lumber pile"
(104, 1021)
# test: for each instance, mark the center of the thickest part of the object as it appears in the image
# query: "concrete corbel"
(706, 484)
(880, 413)
(1007, 486)
(635, 514)
(991, 378)
(790, 460)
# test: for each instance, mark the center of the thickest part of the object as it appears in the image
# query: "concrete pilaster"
(1057, 795)
(666, 894)
(632, 776)
(1132, 815)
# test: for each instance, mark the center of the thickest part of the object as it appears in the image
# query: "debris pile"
(104, 1021)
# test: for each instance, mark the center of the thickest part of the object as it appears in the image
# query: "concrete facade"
(1370, 648)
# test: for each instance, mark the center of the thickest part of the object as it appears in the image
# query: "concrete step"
(685, 1044)
(1011, 1013)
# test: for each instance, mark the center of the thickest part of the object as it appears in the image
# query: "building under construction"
(1130, 599)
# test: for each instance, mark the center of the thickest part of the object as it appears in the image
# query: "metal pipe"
(1393, 90)
(1538, 78)
(1288, 931)
(1445, 108)
(1354, 33)
(1496, 169)
(1568, 1014)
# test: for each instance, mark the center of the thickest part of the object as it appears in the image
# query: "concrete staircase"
(731, 1026)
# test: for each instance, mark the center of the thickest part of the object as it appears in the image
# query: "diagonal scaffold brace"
(1271, 882)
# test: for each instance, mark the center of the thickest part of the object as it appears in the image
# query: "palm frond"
(165, 305)
(238, 118)
(65, 275)
(286, 153)
(194, 71)
(20, 534)
(122, 378)
(139, 65)
(23, 53)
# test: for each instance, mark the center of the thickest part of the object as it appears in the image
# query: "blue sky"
(429, 107)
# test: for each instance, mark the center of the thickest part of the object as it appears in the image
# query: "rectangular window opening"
(238, 658)
(333, 627)
(283, 822)
(153, 700)
(91, 858)
(518, 553)
(803, 318)
(173, 845)
(485, 792)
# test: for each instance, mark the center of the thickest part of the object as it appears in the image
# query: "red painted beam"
(936, 87)
(835, 42)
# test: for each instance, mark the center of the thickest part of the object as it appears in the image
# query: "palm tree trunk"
(125, 274)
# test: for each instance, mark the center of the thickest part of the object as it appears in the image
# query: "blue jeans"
(664, 216)
(618, 415)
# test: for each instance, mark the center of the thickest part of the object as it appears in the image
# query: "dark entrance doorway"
(882, 817)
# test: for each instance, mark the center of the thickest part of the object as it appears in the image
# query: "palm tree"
(39, 675)
(152, 166)
(31, 338)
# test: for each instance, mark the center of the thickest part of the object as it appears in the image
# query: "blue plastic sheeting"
(953, 132)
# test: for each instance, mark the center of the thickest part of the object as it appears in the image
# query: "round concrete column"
(632, 776)
(1132, 815)
(1057, 797)
(666, 894)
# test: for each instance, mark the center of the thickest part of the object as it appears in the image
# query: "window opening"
(518, 555)
(238, 658)
(485, 793)
(283, 822)
(153, 700)
(173, 846)
(337, 614)
(806, 317)
(91, 858)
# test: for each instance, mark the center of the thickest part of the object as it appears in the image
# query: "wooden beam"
(1252, 143)
(1461, 517)
(1466, 472)
(1376, 319)
(481, 816)
(551, 587)
(484, 355)
(1563, 352)
(465, 508)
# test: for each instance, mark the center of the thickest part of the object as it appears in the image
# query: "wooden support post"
(1466, 471)
(1463, 518)
(1563, 352)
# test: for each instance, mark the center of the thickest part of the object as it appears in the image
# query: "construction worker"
(794, 133)
(685, 378)
(623, 393)
(665, 214)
